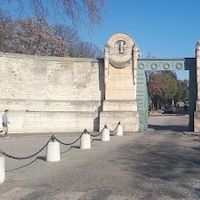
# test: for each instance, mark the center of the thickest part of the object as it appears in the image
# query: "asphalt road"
(161, 163)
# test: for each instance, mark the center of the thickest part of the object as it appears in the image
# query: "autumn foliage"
(165, 88)
(37, 37)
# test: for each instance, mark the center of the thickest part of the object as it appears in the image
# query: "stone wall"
(50, 93)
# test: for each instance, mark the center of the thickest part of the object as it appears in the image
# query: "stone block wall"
(50, 94)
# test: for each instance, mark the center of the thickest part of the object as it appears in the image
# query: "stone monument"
(121, 54)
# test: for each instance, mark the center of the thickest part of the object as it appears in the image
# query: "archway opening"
(168, 100)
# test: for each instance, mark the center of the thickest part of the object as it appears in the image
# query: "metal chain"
(96, 134)
(102, 131)
(26, 157)
(52, 139)
(114, 129)
(67, 144)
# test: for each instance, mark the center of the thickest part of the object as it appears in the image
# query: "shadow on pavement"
(160, 168)
(176, 128)
(169, 122)
(23, 166)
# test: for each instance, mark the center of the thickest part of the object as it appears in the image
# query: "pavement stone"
(153, 165)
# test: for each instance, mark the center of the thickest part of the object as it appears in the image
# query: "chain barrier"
(114, 131)
(52, 139)
(96, 134)
(71, 143)
(26, 157)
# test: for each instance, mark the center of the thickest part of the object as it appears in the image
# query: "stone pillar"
(197, 113)
(121, 54)
(198, 68)
(136, 55)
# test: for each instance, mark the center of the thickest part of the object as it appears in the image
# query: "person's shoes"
(6, 136)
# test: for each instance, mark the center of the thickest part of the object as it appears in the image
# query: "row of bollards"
(53, 147)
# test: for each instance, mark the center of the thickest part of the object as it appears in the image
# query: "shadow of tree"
(165, 165)
(176, 128)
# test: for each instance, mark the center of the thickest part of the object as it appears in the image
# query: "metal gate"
(164, 64)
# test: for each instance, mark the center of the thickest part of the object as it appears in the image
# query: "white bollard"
(119, 130)
(105, 137)
(2, 169)
(53, 151)
(85, 141)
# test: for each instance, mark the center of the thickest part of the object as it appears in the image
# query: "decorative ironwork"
(161, 64)
(154, 66)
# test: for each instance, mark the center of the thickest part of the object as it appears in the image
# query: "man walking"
(5, 123)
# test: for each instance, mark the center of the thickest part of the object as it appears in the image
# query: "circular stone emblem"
(120, 47)
(120, 57)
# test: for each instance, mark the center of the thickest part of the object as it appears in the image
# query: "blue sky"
(161, 28)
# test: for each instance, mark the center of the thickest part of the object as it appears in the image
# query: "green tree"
(183, 91)
(171, 85)
(162, 87)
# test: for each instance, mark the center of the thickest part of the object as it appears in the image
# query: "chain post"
(53, 150)
(53, 138)
(85, 131)
(85, 142)
(2, 169)
(119, 131)
(105, 134)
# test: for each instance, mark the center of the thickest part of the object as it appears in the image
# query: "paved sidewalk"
(152, 165)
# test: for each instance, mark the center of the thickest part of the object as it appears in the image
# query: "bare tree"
(76, 47)
(37, 37)
(30, 36)
(85, 49)
(67, 33)
(5, 20)
(76, 10)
